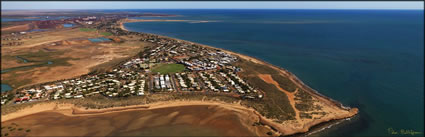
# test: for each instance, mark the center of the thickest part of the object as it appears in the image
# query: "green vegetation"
(306, 101)
(13, 82)
(276, 105)
(284, 82)
(305, 115)
(37, 59)
(250, 68)
(106, 33)
(168, 68)
(87, 29)
(41, 58)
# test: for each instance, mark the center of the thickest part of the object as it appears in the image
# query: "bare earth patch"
(130, 120)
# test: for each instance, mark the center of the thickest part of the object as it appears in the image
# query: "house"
(78, 96)
(141, 93)
(144, 66)
(68, 95)
(3, 101)
(47, 87)
(260, 96)
(56, 96)
(21, 99)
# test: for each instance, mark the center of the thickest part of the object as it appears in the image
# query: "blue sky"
(212, 5)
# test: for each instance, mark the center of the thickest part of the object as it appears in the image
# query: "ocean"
(370, 59)
(36, 18)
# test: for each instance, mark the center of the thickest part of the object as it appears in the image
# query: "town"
(184, 67)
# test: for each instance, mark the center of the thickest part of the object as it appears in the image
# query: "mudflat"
(162, 120)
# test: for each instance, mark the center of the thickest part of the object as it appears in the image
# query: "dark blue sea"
(6, 19)
(370, 59)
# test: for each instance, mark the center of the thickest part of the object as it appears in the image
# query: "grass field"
(106, 33)
(87, 29)
(168, 68)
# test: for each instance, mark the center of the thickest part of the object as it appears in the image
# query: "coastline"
(259, 61)
(243, 117)
(285, 130)
(69, 109)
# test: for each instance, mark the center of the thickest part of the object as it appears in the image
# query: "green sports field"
(168, 68)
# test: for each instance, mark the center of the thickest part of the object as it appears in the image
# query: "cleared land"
(207, 114)
(7, 27)
(69, 52)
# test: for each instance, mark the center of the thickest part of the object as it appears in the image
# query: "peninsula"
(97, 68)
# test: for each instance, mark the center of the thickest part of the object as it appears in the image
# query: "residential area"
(171, 66)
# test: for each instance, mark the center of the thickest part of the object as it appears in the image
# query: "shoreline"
(164, 20)
(281, 128)
(245, 117)
(327, 100)
(70, 109)
(260, 61)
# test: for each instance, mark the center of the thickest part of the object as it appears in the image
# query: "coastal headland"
(335, 109)
(278, 104)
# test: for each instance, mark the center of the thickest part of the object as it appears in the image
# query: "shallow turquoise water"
(370, 59)
(5, 87)
(68, 25)
(99, 39)
(23, 59)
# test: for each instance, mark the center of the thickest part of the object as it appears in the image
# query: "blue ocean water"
(32, 19)
(370, 59)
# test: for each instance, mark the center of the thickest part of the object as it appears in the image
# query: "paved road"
(173, 83)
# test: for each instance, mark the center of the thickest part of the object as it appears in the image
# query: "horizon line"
(225, 9)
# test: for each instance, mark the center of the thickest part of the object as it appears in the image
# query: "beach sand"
(210, 118)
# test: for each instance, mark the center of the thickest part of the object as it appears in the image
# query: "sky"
(212, 5)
